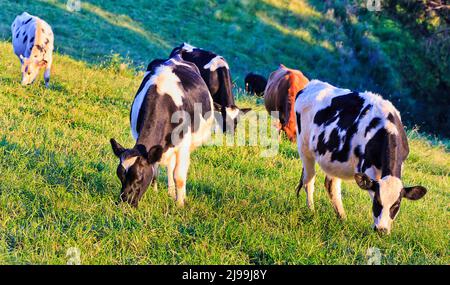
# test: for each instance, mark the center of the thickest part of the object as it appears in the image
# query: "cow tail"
(290, 127)
(300, 185)
(225, 90)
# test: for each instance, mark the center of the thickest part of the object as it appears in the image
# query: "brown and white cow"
(172, 114)
(357, 136)
(32, 40)
(282, 87)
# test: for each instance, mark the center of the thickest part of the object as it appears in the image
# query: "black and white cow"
(32, 40)
(216, 73)
(172, 114)
(353, 136)
(255, 84)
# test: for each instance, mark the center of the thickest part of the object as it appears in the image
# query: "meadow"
(59, 188)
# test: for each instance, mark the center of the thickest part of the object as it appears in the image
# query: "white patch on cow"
(216, 63)
(179, 62)
(127, 163)
(232, 112)
(187, 47)
(136, 107)
(166, 83)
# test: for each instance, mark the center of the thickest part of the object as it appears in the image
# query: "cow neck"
(152, 134)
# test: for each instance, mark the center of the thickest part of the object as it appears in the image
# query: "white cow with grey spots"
(32, 40)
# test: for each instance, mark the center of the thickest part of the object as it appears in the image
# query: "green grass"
(59, 189)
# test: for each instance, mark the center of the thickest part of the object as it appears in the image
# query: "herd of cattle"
(351, 135)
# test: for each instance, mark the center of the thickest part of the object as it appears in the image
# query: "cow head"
(387, 195)
(30, 68)
(230, 116)
(136, 170)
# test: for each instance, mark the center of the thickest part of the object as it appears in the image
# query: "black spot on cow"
(376, 207)
(387, 151)
(40, 48)
(17, 35)
(358, 154)
(47, 41)
(347, 110)
(372, 125)
(43, 30)
(25, 39)
(151, 67)
(394, 208)
(331, 145)
(391, 118)
(27, 21)
(374, 148)
(32, 40)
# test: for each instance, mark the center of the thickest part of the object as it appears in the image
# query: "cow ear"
(154, 154)
(414, 193)
(116, 147)
(364, 181)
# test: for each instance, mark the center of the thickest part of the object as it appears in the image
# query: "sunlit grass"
(59, 189)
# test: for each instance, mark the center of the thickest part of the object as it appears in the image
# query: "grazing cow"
(255, 84)
(357, 136)
(216, 73)
(284, 84)
(172, 113)
(32, 40)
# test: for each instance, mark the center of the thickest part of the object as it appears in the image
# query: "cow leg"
(47, 72)
(333, 186)
(170, 179)
(181, 170)
(155, 178)
(309, 175)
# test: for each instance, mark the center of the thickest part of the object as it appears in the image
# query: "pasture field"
(58, 187)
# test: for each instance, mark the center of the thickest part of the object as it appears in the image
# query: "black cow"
(255, 84)
(357, 136)
(172, 113)
(216, 73)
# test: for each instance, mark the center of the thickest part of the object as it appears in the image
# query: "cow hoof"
(180, 203)
(172, 193)
(342, 217)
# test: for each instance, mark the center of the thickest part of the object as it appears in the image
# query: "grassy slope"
(58, 190)
(58, 186)
(252, 35)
